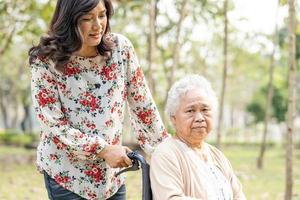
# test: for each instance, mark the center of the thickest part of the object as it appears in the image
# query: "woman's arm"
(144, 114)
(225, 166)
(236, 185)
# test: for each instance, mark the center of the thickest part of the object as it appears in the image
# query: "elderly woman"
(185, 166)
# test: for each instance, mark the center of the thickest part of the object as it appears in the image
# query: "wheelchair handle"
(137, 160)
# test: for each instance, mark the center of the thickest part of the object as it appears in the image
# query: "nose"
(199, 117)
(97, 24)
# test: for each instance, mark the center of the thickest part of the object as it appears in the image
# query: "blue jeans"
(57, 192)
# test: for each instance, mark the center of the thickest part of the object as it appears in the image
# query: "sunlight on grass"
(21, 181)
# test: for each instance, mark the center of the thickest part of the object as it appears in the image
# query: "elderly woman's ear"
(173, 120)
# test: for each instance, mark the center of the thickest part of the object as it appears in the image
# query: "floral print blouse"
(82, 110)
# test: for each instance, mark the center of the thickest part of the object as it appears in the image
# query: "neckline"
(86, 57)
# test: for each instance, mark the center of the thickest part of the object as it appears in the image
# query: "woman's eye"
(102, 16)
(87, 19)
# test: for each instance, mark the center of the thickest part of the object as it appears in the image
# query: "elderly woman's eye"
(205, 110)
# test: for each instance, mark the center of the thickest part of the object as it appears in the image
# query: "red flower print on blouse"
(138, 79)
(58, 143)
(116, 141)
(109, 123)
(94, 172)
(90, 148)
(92, 195)
(126, 53)
(46, 97)
(146, 116)
(63, 121)
(49, 79)
(88, 100)
(43, 59)
(91, 126)
(62, 86)
(53, 156)
(41, 117)
(142, 138)
(138, 97)
(61, 179)
(71, 70)
(109, 72)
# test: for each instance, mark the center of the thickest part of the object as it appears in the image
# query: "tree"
(224, 76)
(152, 43)
(291, 101)
(18, 30)
(277, 107)
(260, 158)
(176, 47)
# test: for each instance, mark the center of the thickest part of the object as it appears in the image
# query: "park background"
(242, 46)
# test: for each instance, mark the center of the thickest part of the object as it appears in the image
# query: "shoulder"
(42, 63)
(219, 158)
(215, 152)
(164, 155)
(213, 149)
(120, 40)
(165, 149)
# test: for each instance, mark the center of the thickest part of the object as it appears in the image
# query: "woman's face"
(92, 27)
(193, 118)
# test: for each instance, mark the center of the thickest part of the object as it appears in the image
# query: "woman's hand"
(116, 156)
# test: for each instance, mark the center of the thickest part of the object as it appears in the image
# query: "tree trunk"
(152, 44)
(291, 101)
(14, 115)
(176, 49)
(224, 77)
(259, 163)
(25, 123)
(3, 110)
(8, 40)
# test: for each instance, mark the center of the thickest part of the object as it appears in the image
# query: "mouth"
(96, 35)
(199, 127)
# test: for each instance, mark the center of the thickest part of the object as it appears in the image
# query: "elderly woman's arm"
(166, 178)
(236, 185)
(224, 164)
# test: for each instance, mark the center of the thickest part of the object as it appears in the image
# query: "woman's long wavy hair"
(64, 37)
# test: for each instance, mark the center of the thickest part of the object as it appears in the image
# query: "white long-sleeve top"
(82, 110)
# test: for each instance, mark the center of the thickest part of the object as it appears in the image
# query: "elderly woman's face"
(193, 118)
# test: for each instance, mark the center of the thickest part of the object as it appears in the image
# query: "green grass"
(268, 183)
(23, 182)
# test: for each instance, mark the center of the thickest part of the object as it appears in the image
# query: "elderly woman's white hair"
(185, 84)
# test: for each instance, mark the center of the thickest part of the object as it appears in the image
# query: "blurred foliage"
(279, 105)
(14, 138)
(200, 51)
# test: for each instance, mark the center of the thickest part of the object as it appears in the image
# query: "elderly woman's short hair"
(185, 84)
